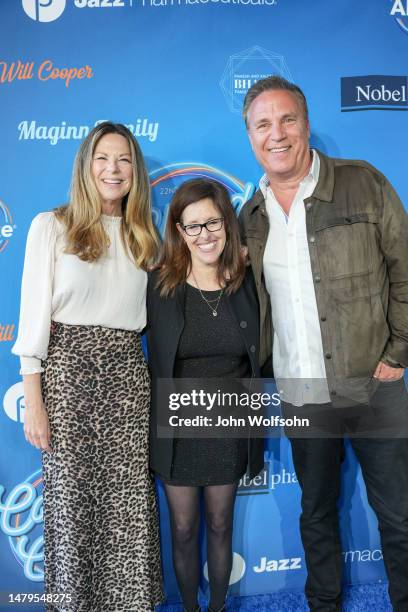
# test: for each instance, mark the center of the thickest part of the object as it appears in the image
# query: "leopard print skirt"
(101, 535)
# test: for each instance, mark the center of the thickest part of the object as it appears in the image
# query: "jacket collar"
(325, 185)
(256, 201)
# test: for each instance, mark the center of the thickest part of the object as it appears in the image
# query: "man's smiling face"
(279, 134)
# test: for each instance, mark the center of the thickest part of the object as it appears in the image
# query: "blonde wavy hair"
(85, 235)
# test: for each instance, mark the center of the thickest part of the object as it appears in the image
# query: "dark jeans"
(384, 465)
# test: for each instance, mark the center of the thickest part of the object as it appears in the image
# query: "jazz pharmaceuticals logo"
(21, 514)
(198, 3)
(374, 92)
(6, 226)
(44, 10)
(399, 10)
(50, 10)
(243, 69)
(14, 404)
(277, 565)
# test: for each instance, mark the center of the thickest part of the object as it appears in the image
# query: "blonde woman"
(86, 383)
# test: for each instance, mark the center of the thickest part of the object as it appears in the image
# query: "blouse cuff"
(30, 365)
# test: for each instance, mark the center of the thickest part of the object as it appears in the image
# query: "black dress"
(209, 347)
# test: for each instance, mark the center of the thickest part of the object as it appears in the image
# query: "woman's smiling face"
(207, 247)
(112, 170)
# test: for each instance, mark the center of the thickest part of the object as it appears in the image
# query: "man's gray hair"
(273, 83)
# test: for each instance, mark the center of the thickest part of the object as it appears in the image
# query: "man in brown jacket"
(328, 244)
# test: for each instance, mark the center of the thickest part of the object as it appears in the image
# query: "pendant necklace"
(208, 302)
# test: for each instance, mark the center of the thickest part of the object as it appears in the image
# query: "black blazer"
(165, 324)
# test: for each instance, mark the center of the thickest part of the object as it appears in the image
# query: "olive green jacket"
(357, 231)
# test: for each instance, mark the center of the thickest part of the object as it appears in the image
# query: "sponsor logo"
(399, 10)
(277, 565)
(21, 514)
(50, 10)
(245, 68)
(257, 485)
(31, 130)
(6, 226)
(374, 92)
(266, 480)
(358, 556)
(165, 180)
(46, 71)
(163, 3)
(7, 333)
(102, 3)
(14, 404)
(283, 478)
(44, 10)
(237, 572)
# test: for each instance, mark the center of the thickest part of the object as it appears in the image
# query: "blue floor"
(366, 598)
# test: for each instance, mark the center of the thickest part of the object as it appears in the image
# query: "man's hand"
(385, 373)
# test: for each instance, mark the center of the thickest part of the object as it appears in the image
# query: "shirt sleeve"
(36, 294)
(394, 237)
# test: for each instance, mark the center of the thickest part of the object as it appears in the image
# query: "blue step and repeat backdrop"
(176, 72)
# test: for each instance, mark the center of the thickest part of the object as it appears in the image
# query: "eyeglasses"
(211, 226)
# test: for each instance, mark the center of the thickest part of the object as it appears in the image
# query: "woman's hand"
(244, 253)
(36, 423)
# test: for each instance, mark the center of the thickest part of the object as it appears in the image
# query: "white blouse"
(57, 286)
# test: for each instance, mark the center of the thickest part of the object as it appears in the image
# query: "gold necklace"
(215, 308)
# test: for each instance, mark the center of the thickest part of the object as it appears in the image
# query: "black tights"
(184, 505)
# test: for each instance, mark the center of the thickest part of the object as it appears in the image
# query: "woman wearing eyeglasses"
(202, 323)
